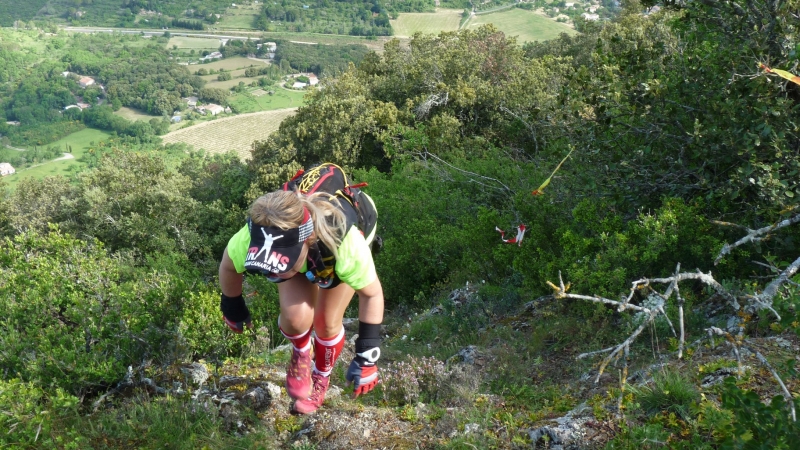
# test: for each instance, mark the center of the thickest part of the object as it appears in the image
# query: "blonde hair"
(284, 209)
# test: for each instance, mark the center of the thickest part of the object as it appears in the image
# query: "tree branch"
(756, 236)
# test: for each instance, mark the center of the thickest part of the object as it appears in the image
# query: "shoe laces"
(320, 387)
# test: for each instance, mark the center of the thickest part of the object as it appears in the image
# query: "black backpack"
(357, 205)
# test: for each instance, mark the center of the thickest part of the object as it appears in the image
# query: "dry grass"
(195, 43)
(235, 133)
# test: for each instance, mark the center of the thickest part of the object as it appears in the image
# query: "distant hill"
(11, 11)
(354, 17)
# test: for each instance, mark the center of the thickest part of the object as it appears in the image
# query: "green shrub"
(670, 392)
(757, 425)
(75, 318)
(29, 417)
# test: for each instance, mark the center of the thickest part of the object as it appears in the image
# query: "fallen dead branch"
(657, 299)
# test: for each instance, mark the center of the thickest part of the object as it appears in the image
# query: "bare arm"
(370, 303)
(230, 281)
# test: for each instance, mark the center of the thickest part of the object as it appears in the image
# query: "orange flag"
(782, 73)
(540, 189)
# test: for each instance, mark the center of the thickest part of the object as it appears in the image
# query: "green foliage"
(133, 75)
(690, 132)
(322, 60)
(213, 95)
(33, 156)
(94, 314)
(757, 425)
(30, 415)
(354, 17)
(669, 392)
(9, 13)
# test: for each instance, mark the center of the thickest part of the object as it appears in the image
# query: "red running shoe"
(314, 401)
(298, 374)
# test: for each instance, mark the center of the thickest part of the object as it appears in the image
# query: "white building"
(6, 169)
(214, 109)
(591, 17)
(86, 81)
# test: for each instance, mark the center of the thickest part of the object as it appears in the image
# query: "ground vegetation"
(675, 150)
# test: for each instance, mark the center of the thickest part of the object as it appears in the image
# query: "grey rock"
(466, 355)
(569, 431)
(258, 398)
(273, 390)
(196, 373)
(231, 380)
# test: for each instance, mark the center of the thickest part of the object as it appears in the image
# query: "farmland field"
(236, 62)
(134, 114)
(374, 44)
(252, 102)
(240, 17)
(527, 26)
(78, 142)
(429, 23)
(213, 77)
(230, 83)
(235, 133)
(193, 43)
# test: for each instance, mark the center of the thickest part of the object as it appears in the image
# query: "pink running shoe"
(298, 374)
(314, 401)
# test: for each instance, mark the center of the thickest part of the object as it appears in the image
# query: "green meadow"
(193, 43)
(247, 102)
(527, 26)
(134, 114)
(241, 17)
(407, 24)
(78, 142)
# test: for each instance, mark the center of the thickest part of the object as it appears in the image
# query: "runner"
(312, 245)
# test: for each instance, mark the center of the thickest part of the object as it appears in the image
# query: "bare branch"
(596, 352)
(786, 394)
(772, 289)
(730, 224)
(425, 107)
(472, 175)
(625, 344)
(712, 331)
(756, 236)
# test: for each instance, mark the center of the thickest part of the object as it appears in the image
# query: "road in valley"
(247, 34)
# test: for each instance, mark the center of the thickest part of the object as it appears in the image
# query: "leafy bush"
(29, 416)
(758, 425)
(75, 317)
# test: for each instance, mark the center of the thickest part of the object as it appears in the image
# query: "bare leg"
(330, 309)
(297, 300)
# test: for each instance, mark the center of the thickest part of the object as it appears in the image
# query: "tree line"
(354, 17)
(141, 77)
